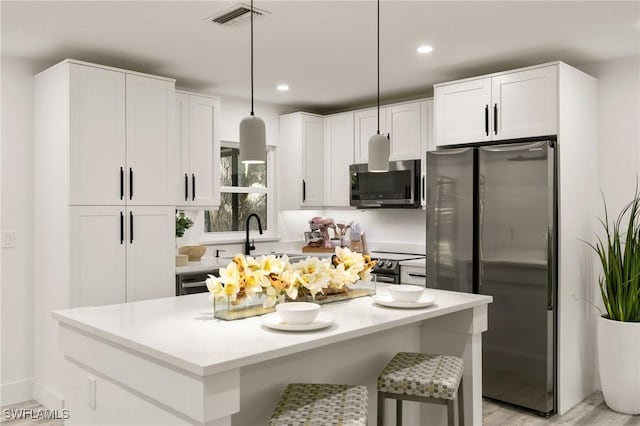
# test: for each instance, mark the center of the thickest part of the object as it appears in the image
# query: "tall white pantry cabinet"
(104, 181)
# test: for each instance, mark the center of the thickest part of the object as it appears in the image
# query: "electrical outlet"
(91, 392)
(8, 239)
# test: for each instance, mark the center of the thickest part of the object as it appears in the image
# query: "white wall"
(17, 287)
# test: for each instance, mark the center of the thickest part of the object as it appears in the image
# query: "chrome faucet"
(248, 246)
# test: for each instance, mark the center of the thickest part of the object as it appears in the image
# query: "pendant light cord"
(252, 59)
(378, 66)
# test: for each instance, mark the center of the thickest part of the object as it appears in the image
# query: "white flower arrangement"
(276, 277)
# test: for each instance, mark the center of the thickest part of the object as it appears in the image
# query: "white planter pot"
(619, 361)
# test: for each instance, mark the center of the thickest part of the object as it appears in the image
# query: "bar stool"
(307, 404)
(422, 378)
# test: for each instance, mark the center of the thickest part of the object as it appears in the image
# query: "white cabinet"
(402, 122)
(97, 136)
(462, 112)
(121, 254)
(198, 130)
(525, 103)
(366, 125)
(501, 106)
(338, 156)
(121, 137)
(414, 275)
(150, 240)
(104, 145)
(300, 161)
(98, 253)
(151, 148)
(405, 127)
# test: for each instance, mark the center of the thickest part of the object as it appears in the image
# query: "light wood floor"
(592, 411)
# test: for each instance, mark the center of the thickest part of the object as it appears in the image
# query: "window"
(244, 190)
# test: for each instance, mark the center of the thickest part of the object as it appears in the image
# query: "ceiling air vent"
(236, 14)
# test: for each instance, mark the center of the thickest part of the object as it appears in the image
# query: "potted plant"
(619, 327)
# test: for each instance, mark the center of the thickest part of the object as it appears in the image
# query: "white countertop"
(415, 262)
(181, 331)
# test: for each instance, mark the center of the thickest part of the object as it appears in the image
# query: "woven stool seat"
(430, 376)
(304, 404)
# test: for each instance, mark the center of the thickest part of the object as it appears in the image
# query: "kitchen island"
(169, 362)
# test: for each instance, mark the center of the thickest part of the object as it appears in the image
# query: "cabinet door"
(289, 165)
(97, 135)
(151, 146)
(404, 123)
(182, 183)
(366, 125)
(338, 156)
(204, 151)
(97, 255)
(150, 241)
(526, 103)
(463, 112)
(313, 161)
(428, 144)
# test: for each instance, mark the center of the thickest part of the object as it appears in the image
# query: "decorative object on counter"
(253, 145)
(182, 223)
(194, 253)
(619, 328)
(379, 145)
(320, 225)
(182, 260)
(342, 231)
(249, 286)
(298, 312)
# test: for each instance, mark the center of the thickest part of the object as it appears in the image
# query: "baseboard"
(47, 397)
(14, 392)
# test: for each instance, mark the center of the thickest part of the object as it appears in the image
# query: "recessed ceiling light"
(283, 87)
(424, 49)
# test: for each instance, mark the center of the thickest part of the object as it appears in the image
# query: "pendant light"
(253, 147)
(378, 144)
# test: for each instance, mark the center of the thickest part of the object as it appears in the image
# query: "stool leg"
(398, 412)
(451, 421)
(460, 405)
(380, 409)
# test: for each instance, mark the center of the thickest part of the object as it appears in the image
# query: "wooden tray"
(310, 249)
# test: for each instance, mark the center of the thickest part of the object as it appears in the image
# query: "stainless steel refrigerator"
(491, 229)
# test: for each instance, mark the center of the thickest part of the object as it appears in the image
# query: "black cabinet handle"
(130, 227)
(423, 188)
(121, 228)
(495, 119)
(121, 183)
(186, 187)
(486, 119)
(304, 191)
(417, 275)
(130, 183)
(193, 187)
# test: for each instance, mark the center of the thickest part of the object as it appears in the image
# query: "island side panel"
(458, 334)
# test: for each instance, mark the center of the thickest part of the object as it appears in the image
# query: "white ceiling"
(325, 50)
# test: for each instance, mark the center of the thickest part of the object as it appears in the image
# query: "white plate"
(324, 319)
(386, 300)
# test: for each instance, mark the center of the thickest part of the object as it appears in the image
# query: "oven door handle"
(383, 279)
(191, 284)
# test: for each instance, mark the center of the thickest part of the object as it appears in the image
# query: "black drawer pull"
(418, 275)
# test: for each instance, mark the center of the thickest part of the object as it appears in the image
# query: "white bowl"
(405, 292)
(298, 312)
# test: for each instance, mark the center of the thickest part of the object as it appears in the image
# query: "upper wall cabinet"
(502, 106)
(301, 161)
(121, 137)
(198, 124)
(403, 123)
(338, 156)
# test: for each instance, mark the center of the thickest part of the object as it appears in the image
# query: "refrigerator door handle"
(517, 147)
(551, 230)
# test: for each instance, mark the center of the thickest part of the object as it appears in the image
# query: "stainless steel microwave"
(397, 188)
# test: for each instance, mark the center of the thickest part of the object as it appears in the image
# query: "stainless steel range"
(387, 269)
